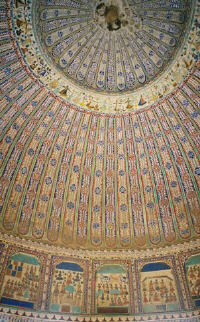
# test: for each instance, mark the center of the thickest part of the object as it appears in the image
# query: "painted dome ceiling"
(112, 46)
(108, 56)
(84, 169)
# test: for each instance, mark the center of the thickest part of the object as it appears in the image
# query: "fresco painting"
(21, 281)
(67, 288)
(159, 292)
(193, 277)
(112, 291)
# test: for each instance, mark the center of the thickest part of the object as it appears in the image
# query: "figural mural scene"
(99, 160)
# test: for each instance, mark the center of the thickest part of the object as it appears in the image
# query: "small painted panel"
(1, 253)
(159, 291)
(21, 281)
(193, 277)
(112, 291)
(67, 288)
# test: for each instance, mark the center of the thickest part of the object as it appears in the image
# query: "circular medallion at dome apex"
(111, 46)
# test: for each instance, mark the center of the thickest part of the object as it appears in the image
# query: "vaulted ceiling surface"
(79, 178)
(112, 46)
(111, 56)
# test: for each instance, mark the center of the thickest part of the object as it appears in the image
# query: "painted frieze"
(192, 266)
(112, 290)
(22, 280)
(159, 292)
(67, 286)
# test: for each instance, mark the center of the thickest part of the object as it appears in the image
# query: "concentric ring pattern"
(111, 46)
(81, 179)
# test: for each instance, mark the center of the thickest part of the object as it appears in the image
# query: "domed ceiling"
(108, 56)
(100, 123)
(112, 46)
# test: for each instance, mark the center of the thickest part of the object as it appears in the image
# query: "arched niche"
(158, 288)
(21, 283)
(66, 294)
(112, 290)
(192, 266)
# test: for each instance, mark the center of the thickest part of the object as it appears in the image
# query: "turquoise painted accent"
(70, 289)
(115, 292)
(76, 309)
(26, 293)
(112, 269)
(55, 308)
(173, 307)
(99, 293)
(149, 308)
(25, 259)
(193, 260)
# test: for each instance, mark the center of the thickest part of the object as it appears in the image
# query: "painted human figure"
(162, 288)
(63, 292)
(156, 297)
(78, 293)
(157, 288)
(56, 293)
(191, 273)
(145, 299)
(151, 290)
(171, 287)
(197, 286)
